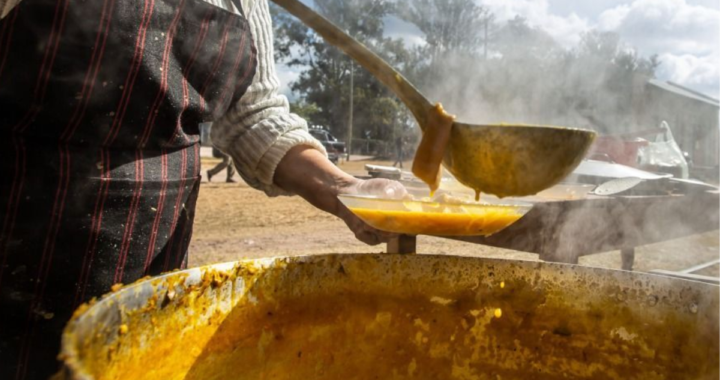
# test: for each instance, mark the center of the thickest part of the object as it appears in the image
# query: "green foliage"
(448, 25)
(326, 80)
(307, 111)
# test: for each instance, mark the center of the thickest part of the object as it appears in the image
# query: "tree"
(307, 111)
(517, 39)
(457, 35)
(448, 25)
(601, 78)
(518, 83)
(325, 80)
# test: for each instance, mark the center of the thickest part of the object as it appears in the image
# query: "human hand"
(380, 187)
(308, 173)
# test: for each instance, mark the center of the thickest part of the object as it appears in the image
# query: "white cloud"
(685, 36)
(287, 75)
(409, 33)
(660, 26)
(700, 73)
(684, 33)
(612, 18)
(566, 30)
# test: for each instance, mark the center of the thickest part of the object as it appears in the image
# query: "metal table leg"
(628, 258)
(402, 244)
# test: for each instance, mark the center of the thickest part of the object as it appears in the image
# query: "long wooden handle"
(408, 94)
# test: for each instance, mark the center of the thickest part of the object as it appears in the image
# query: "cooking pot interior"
(394, 316)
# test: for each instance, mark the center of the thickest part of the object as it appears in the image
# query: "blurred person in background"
(100, 106)
(226, 163)
(399, 154)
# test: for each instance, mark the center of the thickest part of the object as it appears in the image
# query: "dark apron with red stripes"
(100, 106)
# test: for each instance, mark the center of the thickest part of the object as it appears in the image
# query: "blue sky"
(684, 33)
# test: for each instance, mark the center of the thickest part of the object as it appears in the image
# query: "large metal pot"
(393, 316)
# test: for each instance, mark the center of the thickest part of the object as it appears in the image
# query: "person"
(100, 106)
(399, 154)
(225, 163)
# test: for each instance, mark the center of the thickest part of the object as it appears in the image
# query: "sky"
(685, 34)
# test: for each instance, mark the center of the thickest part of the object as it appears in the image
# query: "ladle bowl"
(528, 158)
(504, 160)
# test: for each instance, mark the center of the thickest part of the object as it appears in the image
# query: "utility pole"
(350, 117)
(485, 41)
(487, 19)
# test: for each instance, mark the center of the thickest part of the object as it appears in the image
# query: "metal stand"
(567, 230)
(402, 244)
(689, 273)
(628, 258)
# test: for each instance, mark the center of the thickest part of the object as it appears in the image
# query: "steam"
(598, 90)
(550, 90)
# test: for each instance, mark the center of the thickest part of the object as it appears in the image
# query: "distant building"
(693, 118)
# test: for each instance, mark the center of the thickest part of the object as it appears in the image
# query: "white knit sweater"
(259, 130)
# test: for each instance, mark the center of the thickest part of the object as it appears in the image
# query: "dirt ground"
(235, 221)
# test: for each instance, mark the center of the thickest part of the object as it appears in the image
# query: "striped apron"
(100, 106)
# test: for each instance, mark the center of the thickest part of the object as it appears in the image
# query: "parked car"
(334, 147)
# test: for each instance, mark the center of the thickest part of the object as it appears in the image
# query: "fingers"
(371, 236)
(368, 238)
(395, 190)
(364, 232)
(367, 234)
(382, 187)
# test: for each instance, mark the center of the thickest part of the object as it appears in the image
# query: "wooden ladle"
(504, 160)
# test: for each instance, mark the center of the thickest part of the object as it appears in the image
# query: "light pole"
(350, 116)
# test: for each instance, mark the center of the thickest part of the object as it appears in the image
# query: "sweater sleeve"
(259, 130)
(6, 6)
